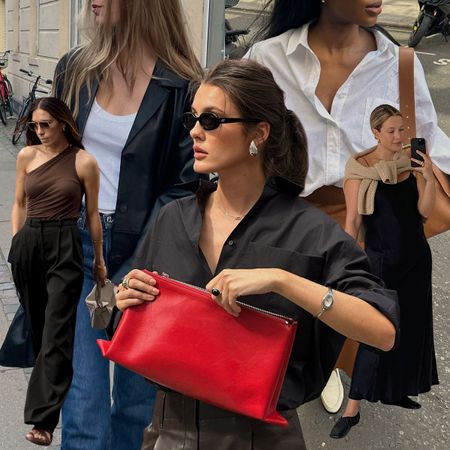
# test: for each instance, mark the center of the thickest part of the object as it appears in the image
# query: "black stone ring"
(215, 292)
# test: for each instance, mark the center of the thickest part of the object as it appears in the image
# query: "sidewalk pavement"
(396, 13)
(399, 13)
(13, 382)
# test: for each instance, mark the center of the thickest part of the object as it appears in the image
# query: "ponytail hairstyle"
(253, 90)
(382, 113)
(61, 113)
(288, 14)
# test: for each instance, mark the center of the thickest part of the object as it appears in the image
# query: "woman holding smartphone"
(392, 200)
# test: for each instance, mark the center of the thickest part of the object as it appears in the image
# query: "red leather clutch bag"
(186, 342)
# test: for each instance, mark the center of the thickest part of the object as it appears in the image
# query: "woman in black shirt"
(251, 236)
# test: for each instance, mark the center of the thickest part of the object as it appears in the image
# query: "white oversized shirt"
(334, 137)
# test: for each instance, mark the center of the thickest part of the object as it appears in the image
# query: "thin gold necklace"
(231, 216)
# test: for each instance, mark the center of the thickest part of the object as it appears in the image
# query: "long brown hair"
(253, 90)
(60, 112)
(155, 24)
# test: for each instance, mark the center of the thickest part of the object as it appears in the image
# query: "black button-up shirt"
(282, 230)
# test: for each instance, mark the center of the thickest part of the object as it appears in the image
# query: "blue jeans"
(89, 420)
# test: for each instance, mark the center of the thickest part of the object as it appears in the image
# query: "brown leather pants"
(180, 422)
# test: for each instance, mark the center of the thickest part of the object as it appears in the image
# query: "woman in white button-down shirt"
(335, 69)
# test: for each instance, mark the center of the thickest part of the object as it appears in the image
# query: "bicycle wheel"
(20, 127)
(8, 108)
(2, 104)
(8, 84)
(420, 29)
(2, 113)
(9, 95)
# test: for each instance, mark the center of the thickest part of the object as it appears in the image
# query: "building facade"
(39, 32)
(2, 26)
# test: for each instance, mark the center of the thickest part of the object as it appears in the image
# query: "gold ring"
(125, 283)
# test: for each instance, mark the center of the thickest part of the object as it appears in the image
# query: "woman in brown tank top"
(53, 174)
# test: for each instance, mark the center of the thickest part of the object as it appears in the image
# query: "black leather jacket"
(157, 156)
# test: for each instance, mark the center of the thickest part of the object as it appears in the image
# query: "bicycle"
(20, 124)
(5, 90)
(233, 48)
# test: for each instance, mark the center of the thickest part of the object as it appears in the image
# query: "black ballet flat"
(405, 402)
(343, 425)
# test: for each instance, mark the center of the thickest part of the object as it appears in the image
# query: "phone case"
(417, 144)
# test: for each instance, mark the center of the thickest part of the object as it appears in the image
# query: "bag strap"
(408, 107)
(98, 292)
(406, 87)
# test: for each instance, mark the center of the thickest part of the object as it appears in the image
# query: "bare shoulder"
(85, 159)
(27, 154)
(86, 166)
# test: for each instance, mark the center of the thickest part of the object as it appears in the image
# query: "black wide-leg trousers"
(47, 265)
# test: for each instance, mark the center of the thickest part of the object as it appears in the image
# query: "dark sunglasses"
(43, 125)
(209, 121)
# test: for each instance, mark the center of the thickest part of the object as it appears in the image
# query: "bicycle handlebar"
(30, 73)
(233, 33)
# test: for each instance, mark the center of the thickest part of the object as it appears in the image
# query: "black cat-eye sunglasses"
(209, 120)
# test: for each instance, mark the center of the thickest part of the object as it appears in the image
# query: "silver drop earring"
(323, 1)
(253, 150)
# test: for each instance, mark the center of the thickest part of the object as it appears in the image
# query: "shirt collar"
(166, 77)
(203, 188)
(299, 37)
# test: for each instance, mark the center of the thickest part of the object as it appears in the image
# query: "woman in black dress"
(392, 200)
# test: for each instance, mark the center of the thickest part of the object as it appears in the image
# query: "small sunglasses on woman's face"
(43, 125)
(209, 120)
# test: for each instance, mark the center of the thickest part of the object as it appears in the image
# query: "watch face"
(328, 301)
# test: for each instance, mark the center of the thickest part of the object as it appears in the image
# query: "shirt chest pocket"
(367, 138)
(304, 265)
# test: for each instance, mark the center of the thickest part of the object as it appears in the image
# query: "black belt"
(34, 222)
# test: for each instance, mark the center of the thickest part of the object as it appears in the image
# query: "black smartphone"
(417, 144)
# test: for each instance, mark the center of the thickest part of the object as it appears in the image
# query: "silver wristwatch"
(327, 302)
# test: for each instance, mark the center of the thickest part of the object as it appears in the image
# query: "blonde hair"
(155, 24)
(382, 113)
